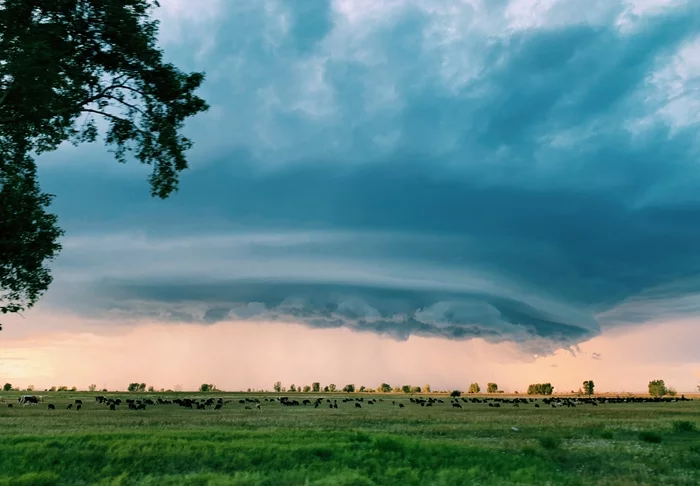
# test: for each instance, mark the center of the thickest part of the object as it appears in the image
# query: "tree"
(136, 387)
(151, 389)
(406, 388)
(349, 388)
(415, 389)
(307, 388)
(52, 389)
(292, 388)
(657, 388)
(74, 388)
(455, 393)
(277, 386)
(363, 389)
(63, 66)
(474, 388)
(315, 387)
(206, 387)
(92, 387)
(426, 388)
(62, 388)
(385, 388)
(30, 388)
(7, 387)
(540, 389)
(588, 387)
(326, 389)
(331, 388)
(491, 388)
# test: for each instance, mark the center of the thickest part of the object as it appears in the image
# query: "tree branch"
(114, 117)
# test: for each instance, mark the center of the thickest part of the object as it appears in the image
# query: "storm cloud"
(499, 170)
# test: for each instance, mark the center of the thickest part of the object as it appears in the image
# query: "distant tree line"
(540, 389)
(657, 388)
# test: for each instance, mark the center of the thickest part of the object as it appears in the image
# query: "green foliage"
(64, 65)
(292, 387)
(549, 442)
(650, 436)
(62, 388)
(136, 387)
(206, 387)
(426, 388)
(657, 388)
(474, 388)
(588, 387)
(316, 387)
(277, 386)
(7, 387)
(307, 388)
(491, 387)
(406, 388)
(92, 387)
(385, 388)
(331, 388)
(349, 388)
(455, 393)
(415, 389)
(684, 426)
(540, 389)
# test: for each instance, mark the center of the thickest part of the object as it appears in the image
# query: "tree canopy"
(657, 388)
(64, 65)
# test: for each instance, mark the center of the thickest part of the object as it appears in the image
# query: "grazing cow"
(78, 402)
(401, 405)
(52, 406)
(257, 405)
(78, 406)
(218, 406)
(9, 405)
(28, 400)
(112, 407)
(456, 405)
(70, 405)
(357, 405)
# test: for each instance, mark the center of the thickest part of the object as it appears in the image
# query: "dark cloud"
(537, 164)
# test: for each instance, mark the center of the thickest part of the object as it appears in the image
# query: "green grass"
(612, 444)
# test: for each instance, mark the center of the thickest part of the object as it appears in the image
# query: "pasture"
(380, 443)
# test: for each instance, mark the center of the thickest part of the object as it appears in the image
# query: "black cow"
(357, 405)
(52, 406)
(78, 406)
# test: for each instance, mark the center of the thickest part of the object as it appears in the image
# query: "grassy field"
(612, 444)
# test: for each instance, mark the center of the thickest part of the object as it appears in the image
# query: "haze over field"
(409, 191)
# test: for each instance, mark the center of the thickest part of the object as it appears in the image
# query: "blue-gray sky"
(522, 171)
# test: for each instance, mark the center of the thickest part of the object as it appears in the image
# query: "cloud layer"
(508, 170)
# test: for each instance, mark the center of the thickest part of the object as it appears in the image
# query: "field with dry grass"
(380, 443)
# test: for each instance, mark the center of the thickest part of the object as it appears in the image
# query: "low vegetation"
(347, 439)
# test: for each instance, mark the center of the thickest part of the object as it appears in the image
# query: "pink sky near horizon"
(241, 355)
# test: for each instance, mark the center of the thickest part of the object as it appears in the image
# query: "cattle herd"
(211, 403)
